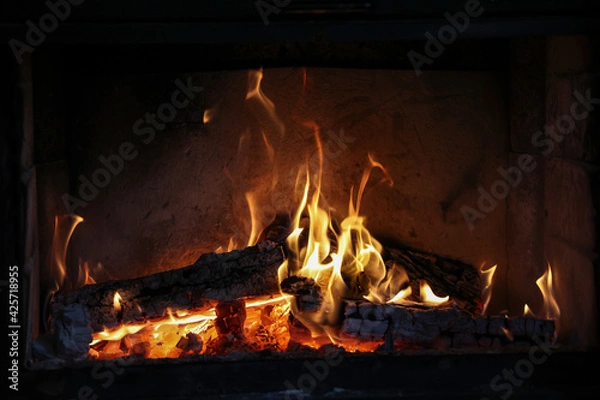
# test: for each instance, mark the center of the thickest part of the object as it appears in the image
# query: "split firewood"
(231, 316)
(438, 327)
(307, 293)
(445, 276)
(228, 276)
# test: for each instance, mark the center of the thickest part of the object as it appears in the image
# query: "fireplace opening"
(289, 177)
(220, 207)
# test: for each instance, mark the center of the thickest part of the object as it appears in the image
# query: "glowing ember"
(265, 327)
(428, 297)
(487, 279)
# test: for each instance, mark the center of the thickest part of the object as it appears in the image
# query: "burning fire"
(428, 297)
(64, 226)
(117, 302)
(265, 327)
(487, 279)
(550, 308)
(527, 311)
(344, 261)
(342, 258)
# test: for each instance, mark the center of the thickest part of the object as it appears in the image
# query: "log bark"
(240, 273)
(228, 276)
(445, 276)
(439, 327)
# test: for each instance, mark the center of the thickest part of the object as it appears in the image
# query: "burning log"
(446, 276)
(438, 327)
(228, 276)
(307, 293)
(231, 316)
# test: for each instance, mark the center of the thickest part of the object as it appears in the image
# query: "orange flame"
(255, 93)
(64, 226)
(208, 115)
(527, 312)
(189, 321)
(117, 302)
(256, 227)
(85, 278)
(551, 310)
(487, 278)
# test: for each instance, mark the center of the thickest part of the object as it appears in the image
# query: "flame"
(64, 226)
(255, 93)
(117, 302)
(508, 333)
(85, 278)
(527, 311)
(487, 278)
(117, 334)
(402, 295)
(256, 227)
(208, 115)
(550, 307)
(428, 297)
(353, 268)
(163, 335)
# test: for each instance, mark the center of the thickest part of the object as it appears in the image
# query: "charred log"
(439, 327)
(307, 292)
(445, 276)
(228, 276)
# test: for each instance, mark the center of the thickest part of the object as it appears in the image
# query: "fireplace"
(308, 217)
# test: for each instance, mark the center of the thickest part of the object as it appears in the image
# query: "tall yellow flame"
(550, 308)
(344, 261)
